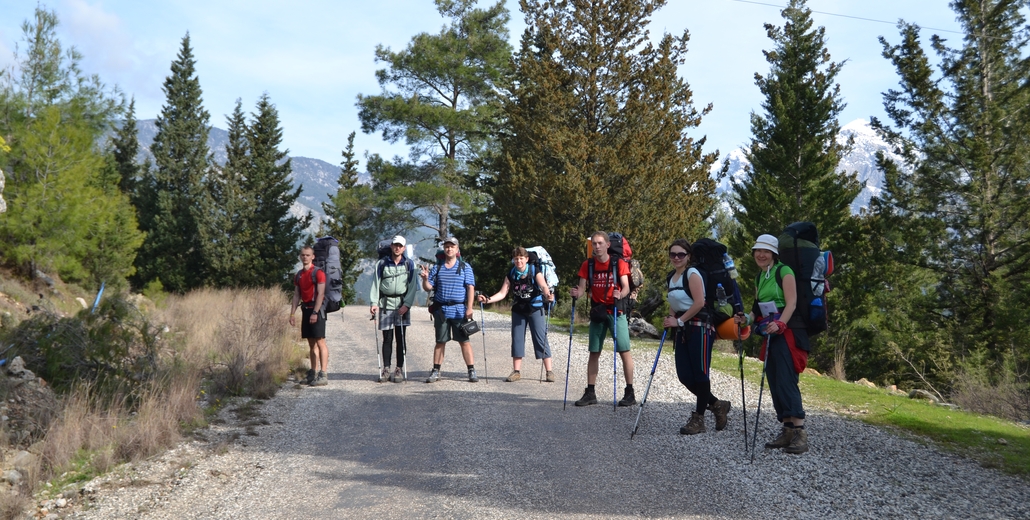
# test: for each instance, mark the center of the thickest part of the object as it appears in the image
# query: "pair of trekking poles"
(379, 350)
(615, 356)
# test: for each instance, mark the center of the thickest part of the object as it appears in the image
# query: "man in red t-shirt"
(604, 292)
(309, 293)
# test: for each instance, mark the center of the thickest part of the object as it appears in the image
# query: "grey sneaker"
(695, 425)
(798, 444)
(589, 398)
(473, 378)
(384, 376)
(434, 376)
(321, 379)
(310, 377)
(721, 410)
(398, 375)
(550, 377)
(783, 439)
(512, 377)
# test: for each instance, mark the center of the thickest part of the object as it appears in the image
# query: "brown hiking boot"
(783, 439)
(721, 410)
(549, 377)
(798, 444)
(696, 424)
(513, 376)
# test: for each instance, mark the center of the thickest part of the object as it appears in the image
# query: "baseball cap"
(399, 240)
(450, 240)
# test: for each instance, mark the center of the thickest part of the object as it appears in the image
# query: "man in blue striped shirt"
(454, 287)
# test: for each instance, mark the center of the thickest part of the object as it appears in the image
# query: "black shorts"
(314, 330)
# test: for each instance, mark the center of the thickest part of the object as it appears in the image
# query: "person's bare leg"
(627, 366)
(516, 363)
(438, 353)
(592, 367)
(323, 352)
(466, 352)
(313, 353)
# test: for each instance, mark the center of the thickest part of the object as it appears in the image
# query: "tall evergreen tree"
(960, 198)
(269, 186)
(346, 210)
(172, 252)
(125, 147)
(795, 151)
(596, 133)
(226, 230)
(439, 95)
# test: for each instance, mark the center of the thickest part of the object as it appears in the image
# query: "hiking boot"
(589, 398)
(549, 377)
(434, 376)
(321, 379)
(695, 425)
(720, 409)
(798, 444)
(628, 398)
(398, 375)
(783, 439)
(512, 377)
(473, 378)
(310, 377)
(384, 376)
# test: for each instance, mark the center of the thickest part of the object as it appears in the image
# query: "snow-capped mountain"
(862, 160)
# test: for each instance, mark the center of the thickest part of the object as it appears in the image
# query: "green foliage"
(114, 349)
(596, 134)
(959, 201)
(439, 95)
(169, 196)
(125, 146)
(347, 211)
(66, 214)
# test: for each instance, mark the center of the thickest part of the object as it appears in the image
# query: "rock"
(811, 371)
(82, 302)
(923, 394)
(640, 327)
(46, 279)
(17, 369)
(23, 460)
(893, 388)
(1003, 441)
(865, 382)
(12, 477)
(61, 502)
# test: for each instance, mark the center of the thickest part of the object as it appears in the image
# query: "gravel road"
(454, 449)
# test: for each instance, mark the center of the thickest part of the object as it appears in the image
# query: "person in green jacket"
(392, 295)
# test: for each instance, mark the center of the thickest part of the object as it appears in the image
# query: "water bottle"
(816, 312)
(722, 303)
(731, 268)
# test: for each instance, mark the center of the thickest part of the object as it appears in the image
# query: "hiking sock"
(790, 425)
(590, 388)
(802, 427)
(471, 367)
(436, 366)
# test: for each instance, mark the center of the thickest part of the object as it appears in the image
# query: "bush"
(999, 392)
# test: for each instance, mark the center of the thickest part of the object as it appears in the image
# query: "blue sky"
(313, 57)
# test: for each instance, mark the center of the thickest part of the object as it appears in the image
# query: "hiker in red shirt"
(309, 293)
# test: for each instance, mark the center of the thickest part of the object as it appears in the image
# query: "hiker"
(530, 295)
(453, 284)
(309, 293)
(694, 338)
(604, 292)
(784, 343)
(392, 295)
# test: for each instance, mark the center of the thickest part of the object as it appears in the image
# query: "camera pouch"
(469, 327)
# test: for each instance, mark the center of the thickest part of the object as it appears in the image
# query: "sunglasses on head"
(678, 256)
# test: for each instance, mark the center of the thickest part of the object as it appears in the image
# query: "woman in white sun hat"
(788, 346)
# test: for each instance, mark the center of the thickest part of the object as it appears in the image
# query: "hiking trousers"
(537, 324)
(783, 380)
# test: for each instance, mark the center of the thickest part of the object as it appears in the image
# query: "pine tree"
(268, 185)
(172, 252)
(596, 134)
(794, 152)
(438, 94)
(125, 149)
(346, 210)
(960, 199)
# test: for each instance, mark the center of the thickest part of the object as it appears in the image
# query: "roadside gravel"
(454, 449)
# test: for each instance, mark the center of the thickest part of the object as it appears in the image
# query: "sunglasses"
(678, 256)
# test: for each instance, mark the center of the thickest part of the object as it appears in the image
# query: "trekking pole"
(761, 386)
(404, 349)
(739, 345)
(648, 389)
(379, 351)
(547, 340)
(568, 360)
(482, 325)
(615, 356)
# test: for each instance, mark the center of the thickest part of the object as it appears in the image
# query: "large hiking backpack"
(712, 260)
(619, 249)
(385, 251)
(327, 258)
(539, 257)
(431, 302)
(799, 250)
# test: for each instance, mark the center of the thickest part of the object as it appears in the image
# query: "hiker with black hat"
(530, 295)
(454, 289)
(775, 303)
(607, 286)
(695, 336)
(392, 295)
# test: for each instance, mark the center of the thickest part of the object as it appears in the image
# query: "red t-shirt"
(602, 287)
(307, 289)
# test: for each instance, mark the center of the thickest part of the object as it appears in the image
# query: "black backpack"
(710, 259)
(327, 260)
(799, 250)
(385, 251)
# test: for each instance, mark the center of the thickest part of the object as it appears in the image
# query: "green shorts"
(599, 331)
